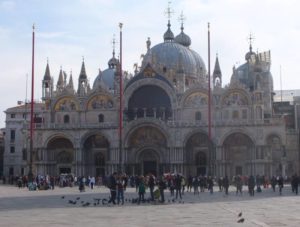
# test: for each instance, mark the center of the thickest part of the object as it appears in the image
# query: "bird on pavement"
(241, 220)
(63, 197)
(240, 214)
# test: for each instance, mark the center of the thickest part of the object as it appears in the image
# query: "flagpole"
(209, 90)
(209, 103)
(30, 173)
(121, 164)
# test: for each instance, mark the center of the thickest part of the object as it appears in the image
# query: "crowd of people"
(176, 184)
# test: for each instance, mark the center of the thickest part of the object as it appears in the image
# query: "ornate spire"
(47, 75)
(217, 69)
(169, 36)
(60, 81)
(82, 75)
(217, 74)
(71, 84)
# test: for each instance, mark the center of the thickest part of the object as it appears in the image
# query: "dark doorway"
(238, 170)
(150, 167)
(201, 171)
(64, 170)
(100, 172)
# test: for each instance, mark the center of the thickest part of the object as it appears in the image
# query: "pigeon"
(240, 214)
(173, 200)
(82, 201)
(95, 204)
(77, 198)
(71, 201)
(63, 197)
(241, 220)
(86, 204)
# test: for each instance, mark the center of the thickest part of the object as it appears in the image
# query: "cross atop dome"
(169, 11)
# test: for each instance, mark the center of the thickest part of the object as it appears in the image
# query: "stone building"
(165, 123)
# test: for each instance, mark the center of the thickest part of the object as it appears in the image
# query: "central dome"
(171, 57)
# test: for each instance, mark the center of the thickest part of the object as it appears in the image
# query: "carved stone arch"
(190, 92)
(60, 153)
(66, 103)
(236, 97)
(237, 130)
(99, 100)
(155, 154)
(58, 135)
(276, 148)
(136, 126)
(150, 82)
(95, 132)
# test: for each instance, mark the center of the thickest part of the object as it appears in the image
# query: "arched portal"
(95, 155)
(146, 149)
(60, 156)
(149, 160)
(199, 155)
(239, 154)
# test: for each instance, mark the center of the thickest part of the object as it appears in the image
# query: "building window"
(12, 149)
(235, 114)
(12, 135)
(13, 116)
(66, 119)
(100, 118)
(198, 116)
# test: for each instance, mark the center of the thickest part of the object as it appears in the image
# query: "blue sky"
(66, 30)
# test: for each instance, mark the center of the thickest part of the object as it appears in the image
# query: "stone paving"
(20, 207)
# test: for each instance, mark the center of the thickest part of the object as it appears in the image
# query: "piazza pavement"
(20, 207)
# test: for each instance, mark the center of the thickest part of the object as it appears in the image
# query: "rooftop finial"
(47, 60)
(182, 18)
(169, 11)
(82, 58)
(114, 44)
(169, 36)
(250, 38)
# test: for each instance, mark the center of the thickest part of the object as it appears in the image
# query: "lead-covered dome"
(174, 56)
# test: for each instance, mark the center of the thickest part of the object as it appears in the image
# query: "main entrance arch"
(95, 155)
(146, 149)
(60, 156)
(149, 160)
(239, 154)
(199, 155)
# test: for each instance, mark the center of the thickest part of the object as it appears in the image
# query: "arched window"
(198, 116)
(100, 118)
(66, 119)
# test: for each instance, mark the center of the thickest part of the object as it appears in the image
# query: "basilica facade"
(165, 119)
